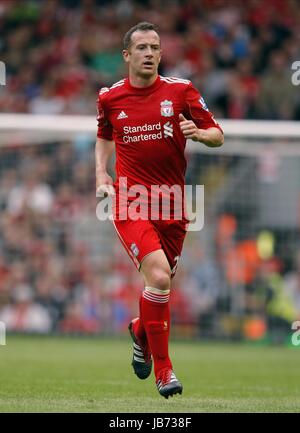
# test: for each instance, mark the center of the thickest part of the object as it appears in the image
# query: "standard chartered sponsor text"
(142, 128)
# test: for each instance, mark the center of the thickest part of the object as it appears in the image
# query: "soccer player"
(146, 119)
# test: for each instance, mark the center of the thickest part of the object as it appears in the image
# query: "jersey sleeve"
(197, 110)
(105, 129)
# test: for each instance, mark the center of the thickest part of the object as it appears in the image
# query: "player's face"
(143, 54)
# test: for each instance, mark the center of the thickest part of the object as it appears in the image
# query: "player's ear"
(125, 54)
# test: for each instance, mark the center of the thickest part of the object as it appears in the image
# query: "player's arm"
(103, 151)
(197, 122)
(211, 137)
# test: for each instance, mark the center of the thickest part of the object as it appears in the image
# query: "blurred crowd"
(51, 276)
(58, 272)
(58, 53)
(55, 275)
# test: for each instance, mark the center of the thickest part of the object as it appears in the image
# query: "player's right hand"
(104, 186)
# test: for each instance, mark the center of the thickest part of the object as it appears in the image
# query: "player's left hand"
(188, 128)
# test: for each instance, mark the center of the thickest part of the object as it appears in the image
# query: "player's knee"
(161, 279)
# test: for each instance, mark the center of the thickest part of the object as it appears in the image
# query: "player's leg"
(142, 242)
(139, 239)
(155, 318)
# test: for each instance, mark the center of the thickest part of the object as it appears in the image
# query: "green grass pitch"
(42, 374)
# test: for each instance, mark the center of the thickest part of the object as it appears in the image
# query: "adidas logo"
(122, 115)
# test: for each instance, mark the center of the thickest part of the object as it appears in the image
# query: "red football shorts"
(142, 237)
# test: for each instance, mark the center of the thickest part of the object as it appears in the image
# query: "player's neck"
(136, 81)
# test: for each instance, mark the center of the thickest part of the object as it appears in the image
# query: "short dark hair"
(142, 27)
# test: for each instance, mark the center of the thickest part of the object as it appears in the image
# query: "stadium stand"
(55, 275)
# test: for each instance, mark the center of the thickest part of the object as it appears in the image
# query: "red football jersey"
(144, 123)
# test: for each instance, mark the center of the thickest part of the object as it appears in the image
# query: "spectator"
(59, 53)
(24, 315)
(31, 195)
(292, 285)
(277, 95)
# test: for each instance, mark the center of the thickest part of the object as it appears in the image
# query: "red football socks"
(155, 321)
(138, 326)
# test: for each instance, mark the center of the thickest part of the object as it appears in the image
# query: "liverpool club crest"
(166, 108)
(134, 249)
